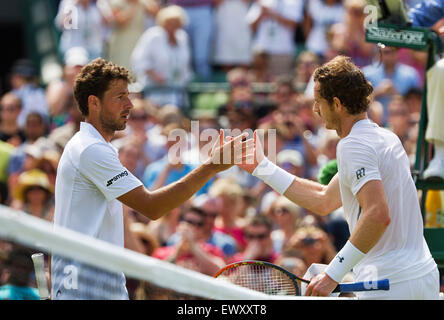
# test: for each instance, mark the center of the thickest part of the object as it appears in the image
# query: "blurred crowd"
(266, 51)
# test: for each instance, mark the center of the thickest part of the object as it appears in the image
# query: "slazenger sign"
(392, 37)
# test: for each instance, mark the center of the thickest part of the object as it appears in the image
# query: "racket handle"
(363, 286)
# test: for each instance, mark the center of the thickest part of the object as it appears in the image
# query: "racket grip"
(363, 286)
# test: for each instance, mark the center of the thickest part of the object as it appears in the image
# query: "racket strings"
(261, 278)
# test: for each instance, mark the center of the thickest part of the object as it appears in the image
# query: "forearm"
(161, 201)
(369, 229)
(309, 195)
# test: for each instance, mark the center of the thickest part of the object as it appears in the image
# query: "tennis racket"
(274, 280)
(40, 277)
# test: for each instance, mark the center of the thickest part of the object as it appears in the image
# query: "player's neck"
(106, 134)
(347, 124)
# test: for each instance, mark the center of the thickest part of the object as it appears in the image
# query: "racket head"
(261, 276)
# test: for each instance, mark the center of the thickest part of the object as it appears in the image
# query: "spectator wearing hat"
(33, 194)
(18, 271)
(59, 92)
(161, 58)
(24, 86)
(10, 131)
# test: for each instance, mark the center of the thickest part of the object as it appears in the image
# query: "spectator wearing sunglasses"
(192, 251)
(259, 245)
(210, 208)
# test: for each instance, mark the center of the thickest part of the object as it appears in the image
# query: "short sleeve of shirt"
(357, 163)
(100, 164)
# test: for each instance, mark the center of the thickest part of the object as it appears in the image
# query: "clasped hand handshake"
(240, 151)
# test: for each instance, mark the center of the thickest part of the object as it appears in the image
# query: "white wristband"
(273, 175)
(344, 261)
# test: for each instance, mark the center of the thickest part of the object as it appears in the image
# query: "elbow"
(383, 217)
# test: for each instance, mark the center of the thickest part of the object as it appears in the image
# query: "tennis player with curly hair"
(92, 183)
(373, 184)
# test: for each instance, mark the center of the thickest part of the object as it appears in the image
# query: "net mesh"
(261, 278)
(93, 269)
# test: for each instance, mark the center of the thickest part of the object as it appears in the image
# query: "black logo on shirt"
(114, 179)
(360, 173)
(340, 258)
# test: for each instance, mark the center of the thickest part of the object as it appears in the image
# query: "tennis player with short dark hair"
(374, 186)
(92, 183)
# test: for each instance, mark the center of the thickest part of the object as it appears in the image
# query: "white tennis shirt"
(89, 179)
(373, 153)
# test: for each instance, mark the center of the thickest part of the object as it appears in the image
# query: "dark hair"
(94, 79)
(342, 79)
(259, 220)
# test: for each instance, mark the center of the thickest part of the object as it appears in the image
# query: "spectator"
(18, 271)
(210, 208)
(314, 245)
(60, 136)
(82, 24)
(291, 261)
(348, 36)
(273, 24)
(306, 64)
(10, 131)
(321, 14)
(136, 135)
(230, 221)
(24, 86)
(287, 216)
(129, 24)
(390, 77)
(232, 36)
(6, 150)
(192, 251)
(259, 245)
(161, 58)
(34, 194)
(165, 227)
(35, 128)
(399, 120)
(200, 30)
(59, 92)
(171, 167)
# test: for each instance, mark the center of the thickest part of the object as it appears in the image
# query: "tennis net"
(94, 269)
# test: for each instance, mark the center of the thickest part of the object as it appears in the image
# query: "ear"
(93, 102)
(337, 104)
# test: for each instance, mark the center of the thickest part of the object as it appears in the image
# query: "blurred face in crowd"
(171, 25)
(399, 118)
(35, 127)
(129, 156)
(257, 234)
(10, 108)
(194, 223)
(389, 56)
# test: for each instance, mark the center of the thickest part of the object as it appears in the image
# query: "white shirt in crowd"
(373, 153)
(90, 178)
(154, 52)
(271, 36)
(84, 27)
(323, 17)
